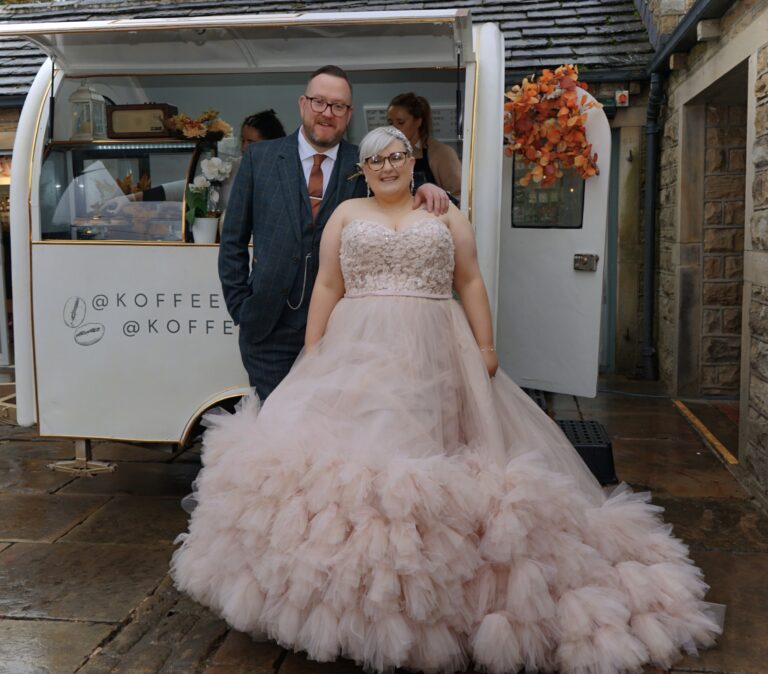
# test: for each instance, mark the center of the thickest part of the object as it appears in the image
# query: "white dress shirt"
(307, 156)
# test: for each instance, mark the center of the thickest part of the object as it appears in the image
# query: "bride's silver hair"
(375, 141)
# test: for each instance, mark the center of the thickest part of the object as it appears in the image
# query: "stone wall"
(755, 454)
(9, 120)
(723, 248)
(667, 236)
(668, 13)
(741, 14)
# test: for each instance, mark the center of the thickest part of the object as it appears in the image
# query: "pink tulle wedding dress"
(392, 504)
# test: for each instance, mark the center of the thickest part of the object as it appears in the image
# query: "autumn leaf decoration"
(544, 122)
(129, 187)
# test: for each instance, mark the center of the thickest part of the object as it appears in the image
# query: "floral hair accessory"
(544, 121)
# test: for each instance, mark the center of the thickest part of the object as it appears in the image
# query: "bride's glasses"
(376, 162)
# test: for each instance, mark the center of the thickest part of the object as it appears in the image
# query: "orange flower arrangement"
(204, 125)
(544, 122)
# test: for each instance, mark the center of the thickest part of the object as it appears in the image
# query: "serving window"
(115, 190)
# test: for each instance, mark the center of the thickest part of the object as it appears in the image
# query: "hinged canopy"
(248, 43)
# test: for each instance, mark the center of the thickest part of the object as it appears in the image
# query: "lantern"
(89, 116)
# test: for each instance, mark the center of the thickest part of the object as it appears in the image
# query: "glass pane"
(114, 191)
(559, 206)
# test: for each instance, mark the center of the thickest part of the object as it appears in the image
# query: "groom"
(284, 192)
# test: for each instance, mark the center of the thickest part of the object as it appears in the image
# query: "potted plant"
(203, 194)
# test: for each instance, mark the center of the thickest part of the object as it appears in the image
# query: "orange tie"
(315, 186)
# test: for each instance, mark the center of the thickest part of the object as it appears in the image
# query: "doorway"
(712, 215)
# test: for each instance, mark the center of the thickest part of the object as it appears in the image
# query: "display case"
(126, 190)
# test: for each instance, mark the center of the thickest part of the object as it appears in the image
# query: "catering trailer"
(120, 328)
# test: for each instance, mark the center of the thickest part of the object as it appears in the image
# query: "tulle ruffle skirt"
(391, 504)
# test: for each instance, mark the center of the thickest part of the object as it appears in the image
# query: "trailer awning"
(249, 43)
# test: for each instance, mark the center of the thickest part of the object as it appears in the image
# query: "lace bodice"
(415, 261)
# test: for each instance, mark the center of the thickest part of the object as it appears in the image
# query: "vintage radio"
(144, 120)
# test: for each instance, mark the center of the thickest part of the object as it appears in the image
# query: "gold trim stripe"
(207, 405)
(44, 100)
(706, 434)
(473, 136)
(120, 242)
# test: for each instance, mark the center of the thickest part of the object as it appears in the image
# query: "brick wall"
(756, 450)
(723, 237)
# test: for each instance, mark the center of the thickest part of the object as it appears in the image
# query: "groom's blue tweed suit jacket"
(269, 204)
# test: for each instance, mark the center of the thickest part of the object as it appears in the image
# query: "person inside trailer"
(436, 162)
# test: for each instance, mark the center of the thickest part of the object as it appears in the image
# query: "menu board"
(443, 120)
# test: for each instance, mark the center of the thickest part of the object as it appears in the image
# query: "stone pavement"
(83, 561)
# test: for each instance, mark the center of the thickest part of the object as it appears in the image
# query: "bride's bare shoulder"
(351, 209)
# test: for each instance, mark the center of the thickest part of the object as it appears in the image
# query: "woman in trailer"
(399, 502)
(436, 162)
(263, 125)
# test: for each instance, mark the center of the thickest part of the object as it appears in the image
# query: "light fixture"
(89, 117)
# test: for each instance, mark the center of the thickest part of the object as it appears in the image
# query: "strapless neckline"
(400, 230)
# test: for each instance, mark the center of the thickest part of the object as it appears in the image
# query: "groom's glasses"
(376, 162)
(321, 105)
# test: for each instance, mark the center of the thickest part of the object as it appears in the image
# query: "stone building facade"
(756, 426)
(712, 210)
(723, 248)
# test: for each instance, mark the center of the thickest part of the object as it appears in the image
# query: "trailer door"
(551, 257)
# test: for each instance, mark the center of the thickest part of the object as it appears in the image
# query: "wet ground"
(83, 561)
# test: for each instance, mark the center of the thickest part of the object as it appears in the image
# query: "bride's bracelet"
(487, 348)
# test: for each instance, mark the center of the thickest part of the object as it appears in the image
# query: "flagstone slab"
(240, 650)
(52, 450)
(671, 466)
(21, 474)
(738, 581)
(44, 517)
(732, 525)
(78, 581)
(167, 633)
(298, 663)
(141, 479)
(10, 431)
(47, 647)
(128, 519)
(663, 423)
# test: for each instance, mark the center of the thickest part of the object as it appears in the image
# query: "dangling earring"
(367, 189)
(413, 184)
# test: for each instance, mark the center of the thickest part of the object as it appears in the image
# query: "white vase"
(204, 230)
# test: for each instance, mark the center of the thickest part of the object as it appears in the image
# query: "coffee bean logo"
(89, 334)
(74, 311)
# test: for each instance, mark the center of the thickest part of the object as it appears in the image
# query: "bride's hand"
(491, 362)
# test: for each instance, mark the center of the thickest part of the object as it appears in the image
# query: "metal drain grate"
(591, 441)
(537, 396)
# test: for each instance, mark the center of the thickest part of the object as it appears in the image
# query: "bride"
(399, 502)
